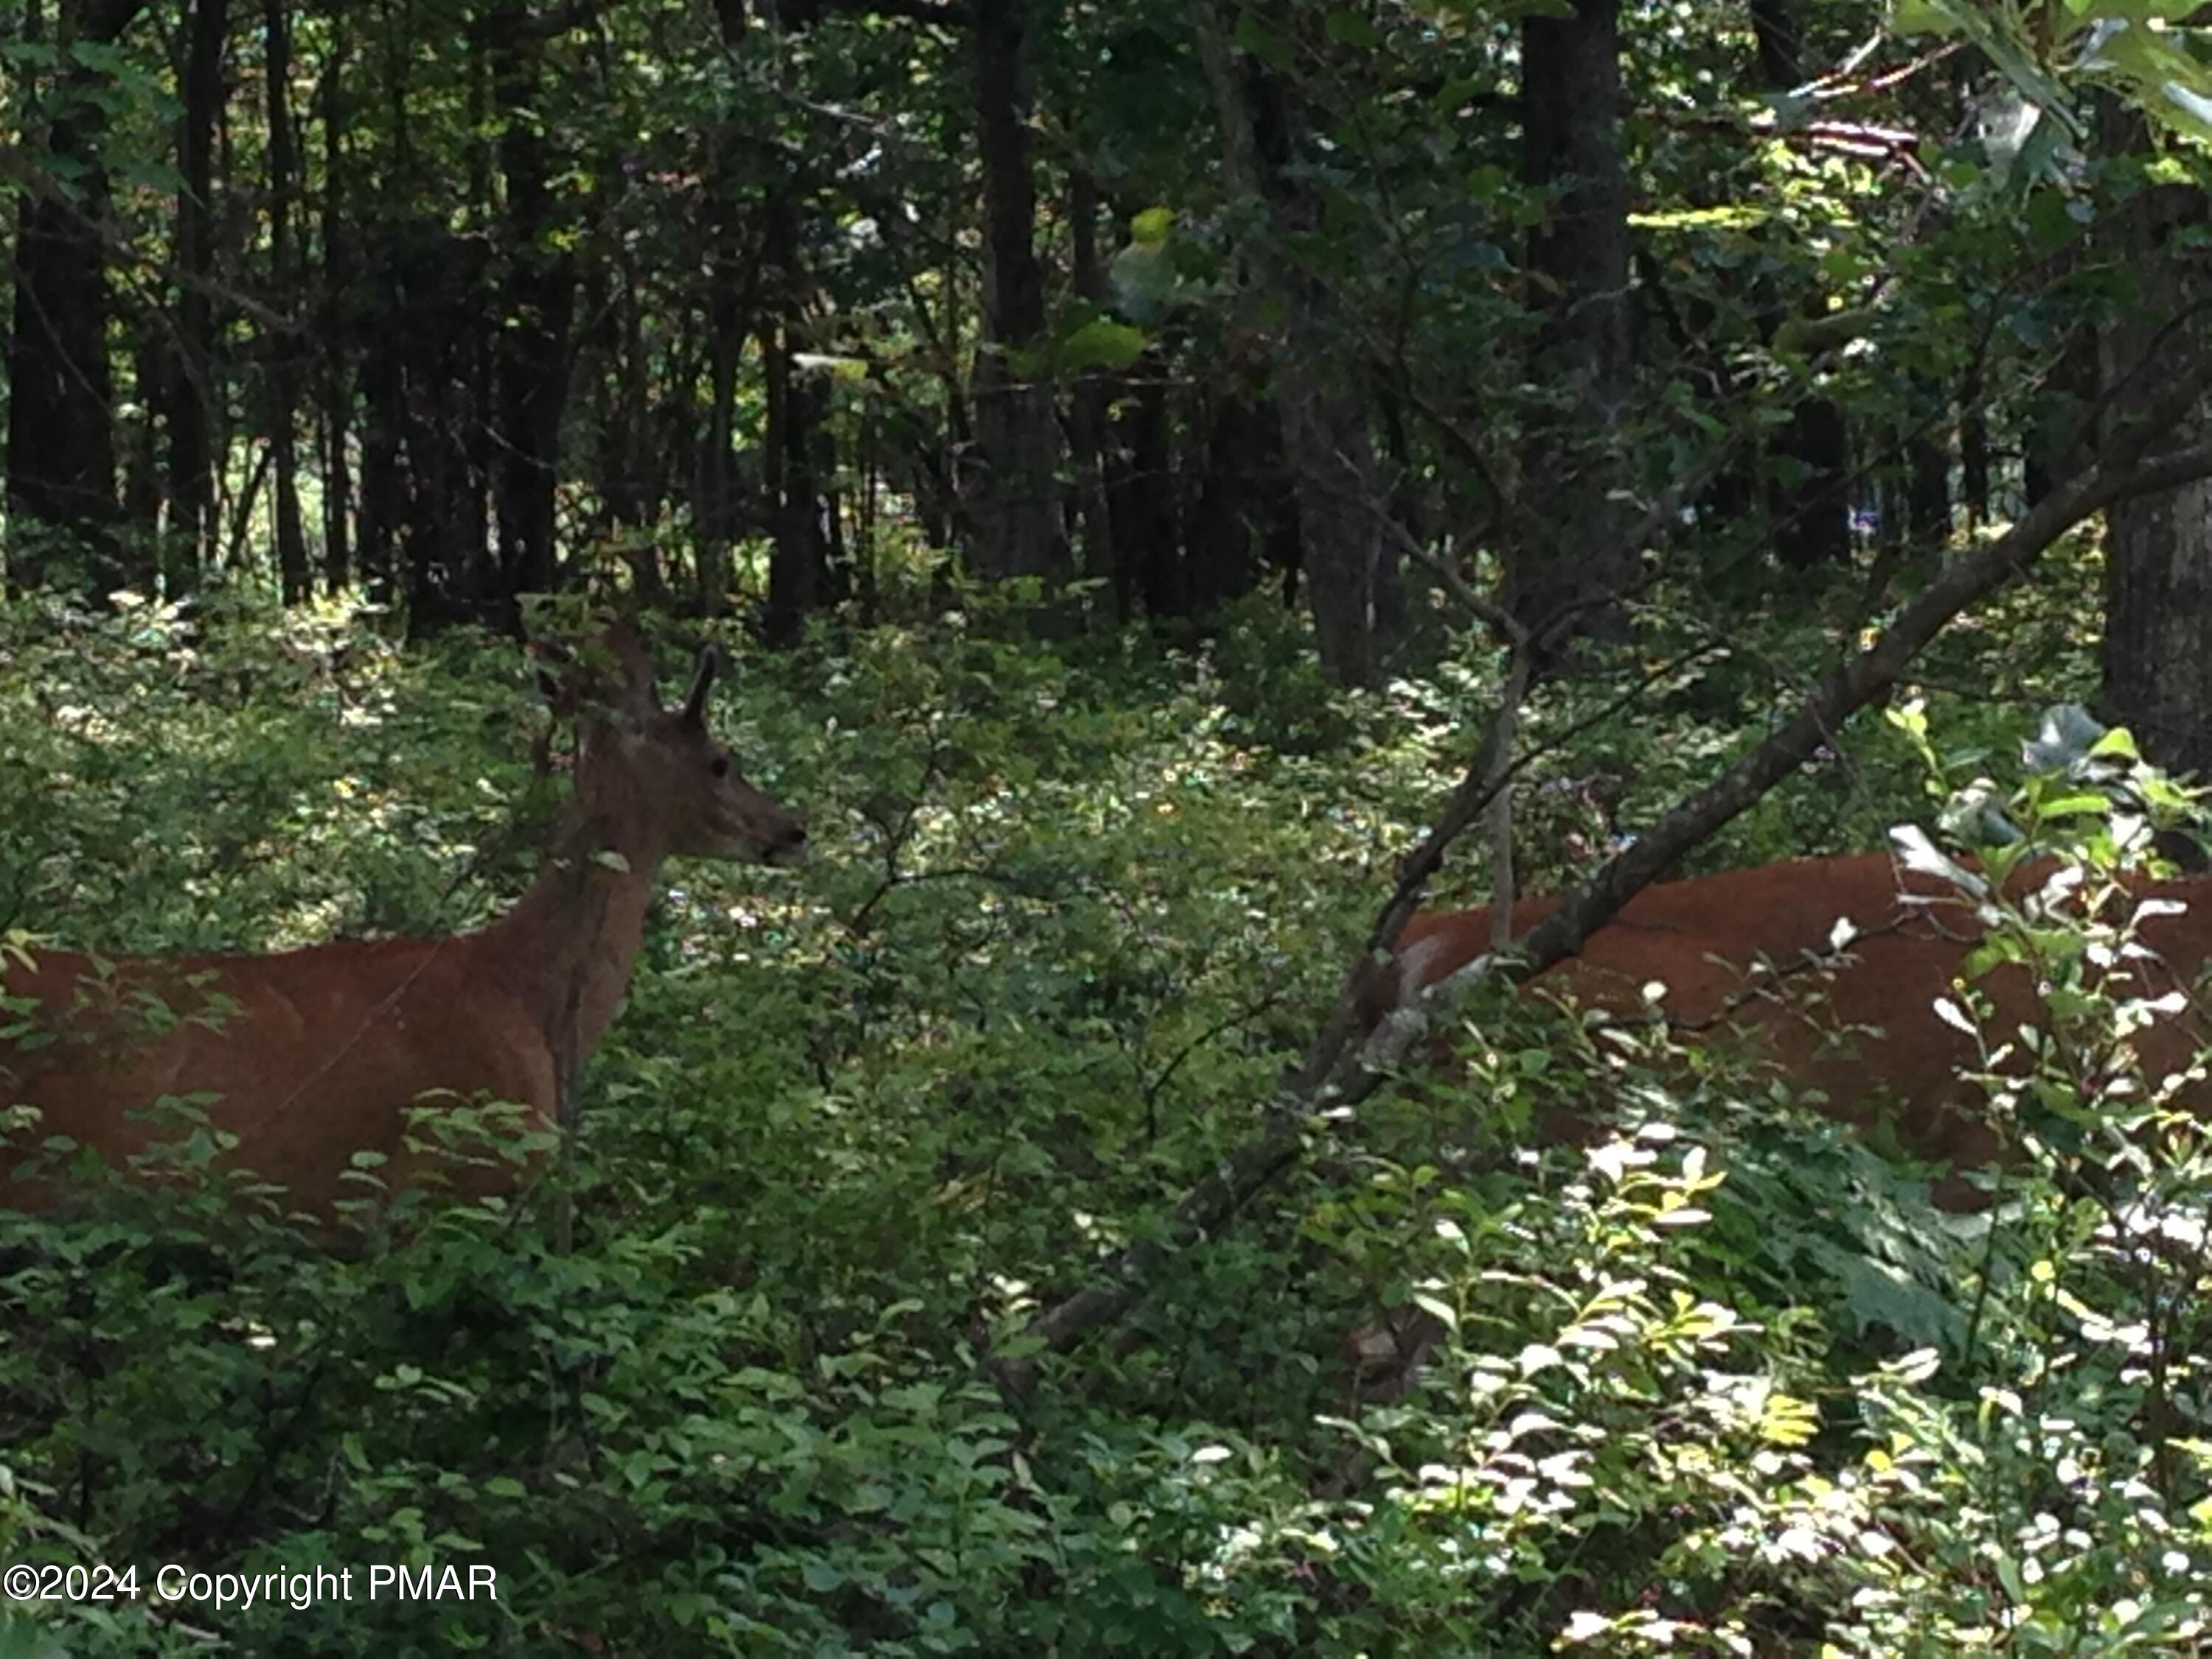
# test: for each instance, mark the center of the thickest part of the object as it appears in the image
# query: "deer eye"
(720, 767)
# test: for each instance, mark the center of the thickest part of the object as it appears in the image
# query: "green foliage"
(1724, 1383)
(2136, 47)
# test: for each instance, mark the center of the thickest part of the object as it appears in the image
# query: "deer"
(1757, 952)
(310, 1056)
(1756, 956)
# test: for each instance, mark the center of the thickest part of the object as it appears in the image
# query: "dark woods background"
(806, 309)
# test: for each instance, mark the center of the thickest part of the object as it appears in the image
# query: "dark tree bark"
(334, 385)
(141, 451)
(797, 563)
(1811, 500)
(1570, 110)
(731, 277)
(2157, 656)
(1778, 32)
(430, 306)
(191, 382)
(283, 365)
(1246, 513)
(1087, 408)
(1012, 494)
(382, 489)
(1140, 499)
(1928, 492)
(1351, 564)
(1974, 453)
(530, 366)
(2059, 421)
(623, 422)
(61, 440)
(1808, 462)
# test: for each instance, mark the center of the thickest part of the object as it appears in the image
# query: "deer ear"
(695, 700)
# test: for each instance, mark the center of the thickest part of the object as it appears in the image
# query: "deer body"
(315, 1055)
(1867, 1035)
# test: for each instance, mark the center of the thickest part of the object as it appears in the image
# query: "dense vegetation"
(1167, 474)
(1726, 1384)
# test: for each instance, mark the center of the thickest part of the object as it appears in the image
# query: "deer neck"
(569, 944)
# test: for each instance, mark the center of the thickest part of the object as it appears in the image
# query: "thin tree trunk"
(336, 399)
(284, 391)
(1087, 408)
(1140, 499)
(191, 381)
(795, 560)
(1013, 503)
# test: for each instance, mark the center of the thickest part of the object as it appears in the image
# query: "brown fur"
(317, 1054)
(1701, 938)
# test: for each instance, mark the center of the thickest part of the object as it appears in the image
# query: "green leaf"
(1261, 42)
(1926, 17)
(1349, 29)
(1101, 343)
(1443, 1312)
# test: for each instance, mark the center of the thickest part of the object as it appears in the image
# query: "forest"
(763, 764)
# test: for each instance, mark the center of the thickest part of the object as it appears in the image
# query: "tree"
(1012, 498)
(1583, 357)
(1350, 562)
(2157, 652)
(61, 441)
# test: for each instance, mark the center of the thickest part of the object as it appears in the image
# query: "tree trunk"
(1013, 495)
(1087, 408)
(284, 367)
(797, 573)
(1810, 500)
(382, 490)
(336, 399)
(530, 367)
(1928, 493)
(1571, 108)
(61, 445)
(1778, 32)
(431, 307)
(2157, 655)
(192, 379)
(1140, 501)
(1351, 564)
(141, 451)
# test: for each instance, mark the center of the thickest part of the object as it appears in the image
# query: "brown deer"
(1864, 1029)
(315, 1054)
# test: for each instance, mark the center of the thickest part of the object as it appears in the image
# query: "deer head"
(661, 771)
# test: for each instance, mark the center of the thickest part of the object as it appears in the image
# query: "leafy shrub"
(1726, 1383)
